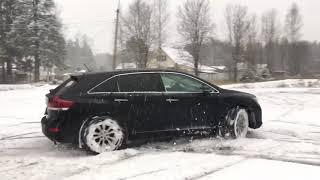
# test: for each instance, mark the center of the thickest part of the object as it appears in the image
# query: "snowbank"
(9, 87)
(289, 83)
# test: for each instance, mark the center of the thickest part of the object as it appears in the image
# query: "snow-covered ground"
(286, 147)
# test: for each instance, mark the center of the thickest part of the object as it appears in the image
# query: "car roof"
(116, 72)
(107, 74)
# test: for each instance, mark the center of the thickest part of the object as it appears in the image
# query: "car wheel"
(235, 124)
(103, 134)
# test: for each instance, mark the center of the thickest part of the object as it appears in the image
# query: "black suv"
(101, 111)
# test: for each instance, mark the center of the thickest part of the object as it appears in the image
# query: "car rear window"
(65, 86)
(144, 82)
(110, 85)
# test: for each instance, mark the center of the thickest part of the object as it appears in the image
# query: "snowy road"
(286, 147)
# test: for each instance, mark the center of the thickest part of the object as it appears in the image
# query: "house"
(180, 60)
(176, 59)
(131, 65)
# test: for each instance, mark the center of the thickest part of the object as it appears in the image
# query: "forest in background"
(31, 38)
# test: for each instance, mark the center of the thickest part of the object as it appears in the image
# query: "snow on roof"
(222, 68)
(67, 74)
(82, 71)
(182, 57)
(126, 66)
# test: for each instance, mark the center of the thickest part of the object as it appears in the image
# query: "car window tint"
(108, 86)
(65, 86)
(181, 83)
(144, 82)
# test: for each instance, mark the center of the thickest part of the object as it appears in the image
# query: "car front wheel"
(103, 134)
(235, 124)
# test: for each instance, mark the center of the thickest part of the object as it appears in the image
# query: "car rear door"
(145, 90)
(105, 99)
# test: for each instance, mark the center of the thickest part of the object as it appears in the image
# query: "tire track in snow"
(207, 173)
(126, 157)
(17, 135)
(18, 167)
(142, 174)
(296, 123)
(19, 138)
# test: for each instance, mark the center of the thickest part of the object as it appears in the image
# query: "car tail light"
(59, 104)
(54, 130)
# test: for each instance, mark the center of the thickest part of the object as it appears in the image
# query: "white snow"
(286, 147)
(289, 83)
(260, 169)
(8, 87)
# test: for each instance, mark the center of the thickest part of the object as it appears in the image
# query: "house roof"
(131, 65)
(182, 57)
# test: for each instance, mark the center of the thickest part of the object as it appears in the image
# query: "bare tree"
(270, 35)
(293, 26)
(238, 25)
(195, 27)
(161, 17)
(252, 45)
(136, 30)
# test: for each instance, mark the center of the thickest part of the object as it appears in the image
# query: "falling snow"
(286, 147)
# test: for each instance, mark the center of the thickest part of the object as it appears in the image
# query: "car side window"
(144, 82)
(110, 85)
(181, 83)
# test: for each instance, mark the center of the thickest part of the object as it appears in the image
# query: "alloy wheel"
(241, 124)
(104, 136)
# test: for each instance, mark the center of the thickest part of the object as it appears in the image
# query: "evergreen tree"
(79, 53)
(37, 35)
(9, 12)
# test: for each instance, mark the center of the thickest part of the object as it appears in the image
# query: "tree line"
(79, 55)
(250, 38)
(30, 37)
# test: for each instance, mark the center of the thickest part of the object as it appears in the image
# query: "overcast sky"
(95, 18)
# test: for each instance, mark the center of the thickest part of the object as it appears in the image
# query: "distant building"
(130, 65)
(180, 60)
(177, 59)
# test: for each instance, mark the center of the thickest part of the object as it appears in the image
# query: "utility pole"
(37, 43)
(116, 38)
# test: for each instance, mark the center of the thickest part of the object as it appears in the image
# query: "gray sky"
(95, 18)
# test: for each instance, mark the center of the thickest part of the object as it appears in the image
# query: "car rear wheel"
(103, 134)
(235, 124)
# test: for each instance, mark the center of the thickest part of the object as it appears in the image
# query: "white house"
(177, 59)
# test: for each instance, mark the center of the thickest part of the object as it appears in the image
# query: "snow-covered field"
(286, 147)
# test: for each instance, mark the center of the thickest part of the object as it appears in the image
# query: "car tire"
(235, 124)
(103, 134)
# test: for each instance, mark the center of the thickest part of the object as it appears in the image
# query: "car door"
(107, 100)
(190, 102)
(145, 90)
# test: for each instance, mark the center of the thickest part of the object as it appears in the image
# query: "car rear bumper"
(48, 124)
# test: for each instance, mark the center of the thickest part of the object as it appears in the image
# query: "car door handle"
(121, 100)
(172, 100)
